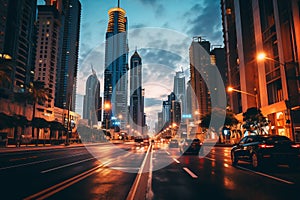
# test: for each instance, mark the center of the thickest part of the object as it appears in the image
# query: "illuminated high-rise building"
(65, 92)
(271, 26)
(49, 26)
(17, 43)
(179, 90)
(116, 67)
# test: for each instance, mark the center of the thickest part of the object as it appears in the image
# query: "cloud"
(204, 19)
(149, 2)
(135, 26)
(158, 8)
(149, 102)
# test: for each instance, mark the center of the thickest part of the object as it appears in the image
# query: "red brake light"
(295, 145)
(265, 146)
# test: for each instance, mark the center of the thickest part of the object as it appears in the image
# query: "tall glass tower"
(92, 100)
(137, 120)
(116, 67)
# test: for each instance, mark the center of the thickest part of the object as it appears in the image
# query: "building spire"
(93, 71)
(118, 3)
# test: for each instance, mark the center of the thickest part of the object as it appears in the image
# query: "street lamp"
(262, 57)
(231, 89)
(106, 108)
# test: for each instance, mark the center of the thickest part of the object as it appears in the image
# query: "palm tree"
(229, 123)
(255, 121)
(37, 94)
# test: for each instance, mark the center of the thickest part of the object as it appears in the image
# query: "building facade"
(136, 117)
(66, 78)
(200, 94)
(116, 67)
(47, 57)
(18, 43)
(271, 27)
(92, 102)
(179, 89)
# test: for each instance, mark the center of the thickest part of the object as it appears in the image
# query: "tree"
(254, 121)
(37, 94)
(230, 119)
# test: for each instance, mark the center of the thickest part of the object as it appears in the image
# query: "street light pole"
(231, 89)
(261, 57)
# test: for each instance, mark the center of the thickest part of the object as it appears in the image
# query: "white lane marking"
(149, 192)
(36, 162)
(266, 175)
(133, 189)
(62, 185)
(190, 172)
(177, 161)
(124, 168)
(211, 159)
(67, 165)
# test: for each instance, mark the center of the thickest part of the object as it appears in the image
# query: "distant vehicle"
(138, 139)
(142, 141)
(173, 143)
(266, 149)
(190, 146)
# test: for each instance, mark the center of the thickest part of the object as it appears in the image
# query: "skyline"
(186, 20)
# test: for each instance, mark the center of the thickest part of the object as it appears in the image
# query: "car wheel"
(255, 161)
(234, 159)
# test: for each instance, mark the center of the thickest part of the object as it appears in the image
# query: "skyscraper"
(136, 111)
(179, 90)
(66, 78)
(230, 41)
(18, 42)
(92, 100)
(46, 63)
(271, 27)
(201, 102)
(116, 66)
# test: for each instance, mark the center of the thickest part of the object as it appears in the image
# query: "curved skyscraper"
(116, 67)
(92, 100)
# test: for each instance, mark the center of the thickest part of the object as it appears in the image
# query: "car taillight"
(265, 146)
(295, 145)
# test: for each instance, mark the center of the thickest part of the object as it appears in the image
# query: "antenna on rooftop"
(118, 3)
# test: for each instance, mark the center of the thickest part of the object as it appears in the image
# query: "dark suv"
(262, 149)
(190, 146)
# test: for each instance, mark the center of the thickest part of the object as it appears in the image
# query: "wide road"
(211, 175)
(103, 171)
(110, 171)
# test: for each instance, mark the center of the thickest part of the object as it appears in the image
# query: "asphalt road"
(108, 171)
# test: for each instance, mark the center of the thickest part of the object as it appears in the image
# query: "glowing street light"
(106, 108)
(231, 89)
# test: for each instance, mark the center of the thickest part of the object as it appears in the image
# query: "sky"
(160, 30)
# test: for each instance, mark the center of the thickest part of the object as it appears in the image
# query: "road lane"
(216, 178)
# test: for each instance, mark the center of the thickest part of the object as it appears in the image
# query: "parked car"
(266, 149)
(190, 146)
(173, 143)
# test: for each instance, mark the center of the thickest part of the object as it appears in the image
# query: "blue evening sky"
(167, 18)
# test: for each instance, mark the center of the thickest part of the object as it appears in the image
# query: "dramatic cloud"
(205, 20)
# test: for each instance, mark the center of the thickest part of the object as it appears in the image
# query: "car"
(263, 150)
(190, 146)
(173, 143)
